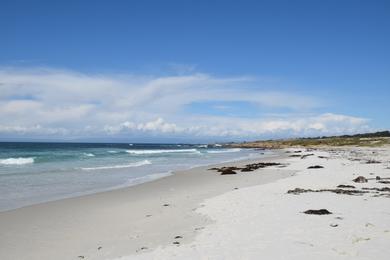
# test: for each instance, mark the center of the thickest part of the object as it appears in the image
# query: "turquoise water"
(31, 173)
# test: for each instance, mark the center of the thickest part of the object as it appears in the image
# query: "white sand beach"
(200, 214)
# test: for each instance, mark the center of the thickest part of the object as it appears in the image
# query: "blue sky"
(241, 69)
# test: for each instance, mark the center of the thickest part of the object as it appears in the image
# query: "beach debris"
(377, 178)
(295, 155)
(176, 243)
(236, 188)
(359, 239)
(334, 225)
(142, 248)
(323, 157)
(246, 168)
(378, 189)
(340, 218)
(360, 179)
(81, 256)
(148, 216)
(306, 155)
(372, 161)
(255, 166)
(166, 205)
(315, 167)
(298, 191)
(346, 186)
(227, 171)
(178, 237)
(100, 247)
(198, 228)
(384, 182)
(317, 212)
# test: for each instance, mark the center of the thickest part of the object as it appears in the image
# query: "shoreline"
(123, 221)
(148, 178)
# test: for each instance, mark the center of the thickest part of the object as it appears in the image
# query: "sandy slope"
(121, 222)
(264, 222)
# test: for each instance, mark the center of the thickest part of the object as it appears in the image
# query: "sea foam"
(17, 161)
(119, 166)
(162, 151)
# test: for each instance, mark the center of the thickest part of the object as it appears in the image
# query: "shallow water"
(31, 173)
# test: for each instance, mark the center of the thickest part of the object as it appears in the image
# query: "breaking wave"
(17, 161)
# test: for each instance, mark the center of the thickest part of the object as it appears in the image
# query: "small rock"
(176, 243)
(334, 225)
(317, 212)
(100, 247)
(360, 179)
(177, 237)
(81, 256)
(377, 178)
(166, 205)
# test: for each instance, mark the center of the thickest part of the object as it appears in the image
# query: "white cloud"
(60, 102)
(321, 124)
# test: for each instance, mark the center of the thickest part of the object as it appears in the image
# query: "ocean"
(32, 173)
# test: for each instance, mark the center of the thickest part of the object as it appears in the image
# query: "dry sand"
(265, 222)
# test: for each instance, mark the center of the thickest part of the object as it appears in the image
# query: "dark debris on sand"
(315, 167)
(306, 155)
(246, 168)
(372, 161)
(346, 186)
(298, 191)
(317, 212)
(385, 189)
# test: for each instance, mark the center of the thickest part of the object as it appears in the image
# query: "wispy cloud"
(61, 102)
